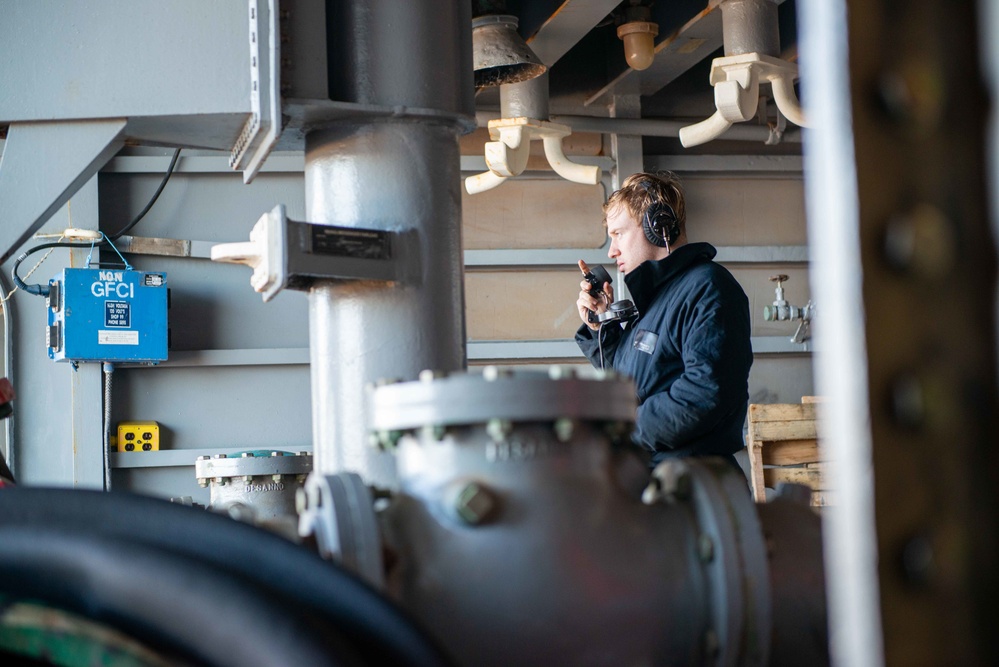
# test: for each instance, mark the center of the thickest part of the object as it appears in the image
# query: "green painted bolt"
(499, 429)
(564, 428)
(474, 504)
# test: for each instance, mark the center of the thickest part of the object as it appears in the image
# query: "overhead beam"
(566, 26)
(43, 165)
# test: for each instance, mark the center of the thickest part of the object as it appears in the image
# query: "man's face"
(629, 247)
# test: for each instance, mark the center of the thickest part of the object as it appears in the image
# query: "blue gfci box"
(107, 315)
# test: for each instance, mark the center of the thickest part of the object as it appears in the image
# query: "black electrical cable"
(42, 290)
(380, 631)
(167, 600)
(152, 200)
(600, 343)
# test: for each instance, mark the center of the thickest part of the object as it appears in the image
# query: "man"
(689, 349)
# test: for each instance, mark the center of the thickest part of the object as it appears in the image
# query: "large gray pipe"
(750, 26)
(401, 174)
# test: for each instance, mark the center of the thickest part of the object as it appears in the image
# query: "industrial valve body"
(515, 541)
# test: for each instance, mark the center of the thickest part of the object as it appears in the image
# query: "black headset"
(659, 222)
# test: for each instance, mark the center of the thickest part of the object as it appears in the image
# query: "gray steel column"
(750, 26)
(400, 175)
(897, 217)
(527, 98)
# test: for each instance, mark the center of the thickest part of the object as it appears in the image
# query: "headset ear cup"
(652, 224)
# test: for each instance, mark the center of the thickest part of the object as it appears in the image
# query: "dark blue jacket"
(689, 354)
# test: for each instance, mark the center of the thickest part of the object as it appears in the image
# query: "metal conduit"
(649, 127)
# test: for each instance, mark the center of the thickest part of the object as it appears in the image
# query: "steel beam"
(899, 230)
(568, 24)
(43, 165)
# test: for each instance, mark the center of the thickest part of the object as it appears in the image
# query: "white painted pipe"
(487, 180)
(703, 132)
(787, 101)
(570, 171)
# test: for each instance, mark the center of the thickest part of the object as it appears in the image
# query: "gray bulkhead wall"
(238, 375)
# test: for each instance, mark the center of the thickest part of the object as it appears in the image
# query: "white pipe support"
(487, 180)
(738, 96)
(508, 156)
(787, 100)
(264, 252)
(570, 171)
(705, 131)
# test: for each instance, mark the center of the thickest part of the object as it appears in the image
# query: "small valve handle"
(779, 278)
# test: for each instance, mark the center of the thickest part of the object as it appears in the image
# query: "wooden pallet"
(784, 434)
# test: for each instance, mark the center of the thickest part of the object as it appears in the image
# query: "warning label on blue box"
(117, 314)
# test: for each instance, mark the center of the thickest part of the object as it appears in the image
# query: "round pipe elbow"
(705, 131)
(487, 180)
(505, 159)
(787, 101)
(567, 169)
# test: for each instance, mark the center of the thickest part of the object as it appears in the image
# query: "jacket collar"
(646, 280)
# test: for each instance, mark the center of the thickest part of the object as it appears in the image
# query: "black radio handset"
(596, 277)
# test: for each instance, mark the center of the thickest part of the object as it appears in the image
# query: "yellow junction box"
(138, 436)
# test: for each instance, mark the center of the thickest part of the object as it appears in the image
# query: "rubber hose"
(380, 630)
(167, 600)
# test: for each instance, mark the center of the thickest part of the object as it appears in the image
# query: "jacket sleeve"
(714, 340)
(610, 337)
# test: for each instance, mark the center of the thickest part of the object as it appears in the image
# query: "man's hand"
(589, 301)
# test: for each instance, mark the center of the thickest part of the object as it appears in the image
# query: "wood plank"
(790, 452)
(813, 399)
(756, 474)
(783, 430)
(810, 477)
(771, 412)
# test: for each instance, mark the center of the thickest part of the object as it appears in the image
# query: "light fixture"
(500, 55)
(638, 32)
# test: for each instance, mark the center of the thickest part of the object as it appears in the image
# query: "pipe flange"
(732, 549)
(494, 394)
(254, 463)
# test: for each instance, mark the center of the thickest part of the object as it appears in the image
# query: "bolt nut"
(246, 455)
(564, 429)
(499, 429)
(277, 478)
(493, 373)
(921, 241)
(913, 94)
(435, 432)
(388, 440)
(431, 375)
(474, 503)
(561, 372)
(202, 482)
(204, 458)
(221, 456)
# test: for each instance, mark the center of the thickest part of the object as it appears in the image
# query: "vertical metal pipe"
(400, 174)
(841, 359)
(525, 99)
(750, 26)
